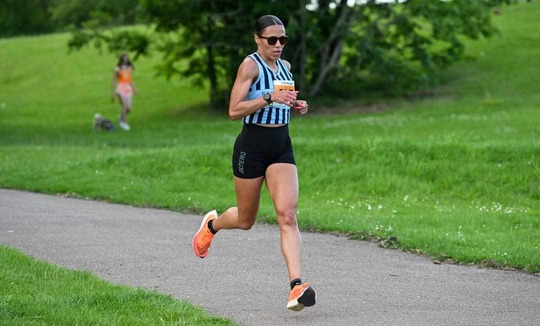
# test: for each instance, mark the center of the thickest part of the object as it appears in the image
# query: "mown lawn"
(455, 175)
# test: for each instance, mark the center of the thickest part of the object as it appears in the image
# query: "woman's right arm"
(239, 107)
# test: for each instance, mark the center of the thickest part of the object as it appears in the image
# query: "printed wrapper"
(283, 85)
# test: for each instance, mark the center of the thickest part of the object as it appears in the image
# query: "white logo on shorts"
(241, 162)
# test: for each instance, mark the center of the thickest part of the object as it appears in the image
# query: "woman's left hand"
(301, 106)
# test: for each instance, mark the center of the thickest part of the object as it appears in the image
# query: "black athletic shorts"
(257, 147)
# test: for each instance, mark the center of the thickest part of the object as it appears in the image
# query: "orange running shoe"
(301, 296)
(203, 238)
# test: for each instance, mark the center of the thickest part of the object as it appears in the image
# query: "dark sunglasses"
(272, 40)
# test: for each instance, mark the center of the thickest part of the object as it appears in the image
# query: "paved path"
(244, 277)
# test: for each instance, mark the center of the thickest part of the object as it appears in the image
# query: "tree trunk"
(330, 51)
(212, 77)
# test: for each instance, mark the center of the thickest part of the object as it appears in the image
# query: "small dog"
(102, 123)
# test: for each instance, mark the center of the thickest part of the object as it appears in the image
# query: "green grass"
(37, 293)
(455, 176)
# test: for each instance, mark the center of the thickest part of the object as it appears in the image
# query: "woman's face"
(269, 35)
(124, 58)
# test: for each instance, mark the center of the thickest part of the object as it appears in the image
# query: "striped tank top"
(274, 113)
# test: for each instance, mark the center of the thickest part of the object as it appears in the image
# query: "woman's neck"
(272, 64)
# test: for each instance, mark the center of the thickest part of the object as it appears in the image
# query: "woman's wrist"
(267, 97)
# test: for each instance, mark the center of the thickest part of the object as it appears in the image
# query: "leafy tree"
(24, 17)
(337, 47)
(214, 35)
(79, 13)
(400, 47)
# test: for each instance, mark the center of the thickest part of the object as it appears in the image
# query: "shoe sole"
(306, 299)
(204, 221)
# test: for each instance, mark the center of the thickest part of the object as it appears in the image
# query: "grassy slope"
(456, 176)
(445, 174)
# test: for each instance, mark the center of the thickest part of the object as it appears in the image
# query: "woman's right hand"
(284, 97)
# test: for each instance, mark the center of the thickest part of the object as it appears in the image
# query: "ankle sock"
(295, 282)
(211, 226)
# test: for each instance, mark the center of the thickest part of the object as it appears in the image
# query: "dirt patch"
(352, 107)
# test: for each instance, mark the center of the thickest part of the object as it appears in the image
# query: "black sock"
(211, 226)
(295, 282)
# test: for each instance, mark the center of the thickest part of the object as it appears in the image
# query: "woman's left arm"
(300, 105)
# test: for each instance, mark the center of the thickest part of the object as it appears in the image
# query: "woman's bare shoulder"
(287, 64)
(248, 68)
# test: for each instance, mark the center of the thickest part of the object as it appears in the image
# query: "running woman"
(123, 88)
(263, 153)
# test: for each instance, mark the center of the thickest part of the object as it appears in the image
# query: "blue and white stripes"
(274, 113)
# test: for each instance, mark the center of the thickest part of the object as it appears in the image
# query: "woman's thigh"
(248, 196)
(282, 183)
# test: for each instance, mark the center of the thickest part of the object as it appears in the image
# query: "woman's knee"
(244, 221)
(245, 225)
(287, 217)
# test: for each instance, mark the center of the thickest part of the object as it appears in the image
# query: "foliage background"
(338, 50)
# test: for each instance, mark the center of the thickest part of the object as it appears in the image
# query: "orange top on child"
(124, 75)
